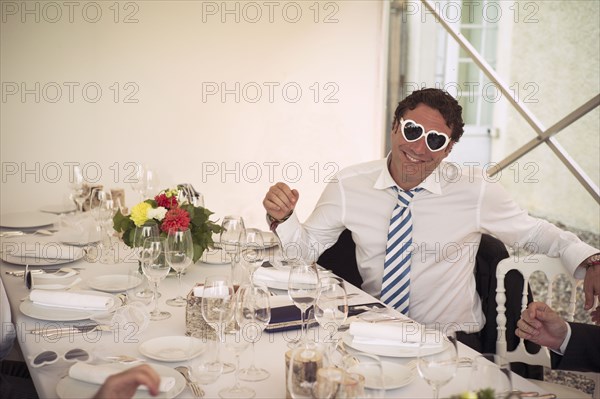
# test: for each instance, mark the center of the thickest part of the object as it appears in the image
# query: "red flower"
(175, 219)
(166, 202)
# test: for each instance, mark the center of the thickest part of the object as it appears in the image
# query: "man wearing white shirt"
(449, 214)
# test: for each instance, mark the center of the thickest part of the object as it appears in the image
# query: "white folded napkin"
(71, 300)
(397, 334)
(267, 274)
(97, 374)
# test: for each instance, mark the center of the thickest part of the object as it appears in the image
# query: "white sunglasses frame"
(403, 123)
(69, 356)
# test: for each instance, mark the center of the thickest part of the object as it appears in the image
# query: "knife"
(79, 329)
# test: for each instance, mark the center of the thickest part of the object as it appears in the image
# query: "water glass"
(489, 370)
(179, 252)
(437, 358)
(155, 268)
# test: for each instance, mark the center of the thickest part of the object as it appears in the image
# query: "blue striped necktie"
(395, 289)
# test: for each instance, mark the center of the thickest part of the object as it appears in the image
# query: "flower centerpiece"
(170, 209)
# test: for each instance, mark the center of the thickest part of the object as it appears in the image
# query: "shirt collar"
(385, 180)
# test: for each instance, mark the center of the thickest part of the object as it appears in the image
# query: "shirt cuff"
(563, 346)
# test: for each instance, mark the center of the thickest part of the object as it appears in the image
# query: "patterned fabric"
(396, 272)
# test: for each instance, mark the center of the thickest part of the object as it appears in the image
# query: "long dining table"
(270, 349)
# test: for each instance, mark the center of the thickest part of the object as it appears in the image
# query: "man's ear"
(449, 148)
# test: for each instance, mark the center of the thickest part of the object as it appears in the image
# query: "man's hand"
(542, 325)
(596, 315)
(280, 200)
(591, 285)
(124, 385)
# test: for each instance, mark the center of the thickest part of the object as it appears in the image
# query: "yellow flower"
(139, 213)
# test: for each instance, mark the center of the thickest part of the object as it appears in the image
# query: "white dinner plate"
(27, 220)
(69, 388)
(215, 257)
(386, 350)
(44, 253)
(114, 282)
(177, 348)
(394, 376)
(59, 208)
(51, 313)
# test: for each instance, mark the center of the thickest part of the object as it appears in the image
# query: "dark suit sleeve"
(582, 352)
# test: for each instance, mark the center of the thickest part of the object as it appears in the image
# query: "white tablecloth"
(269, 351)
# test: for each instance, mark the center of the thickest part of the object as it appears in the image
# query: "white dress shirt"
(449, 216)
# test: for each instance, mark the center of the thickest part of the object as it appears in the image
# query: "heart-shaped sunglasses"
(412, 131)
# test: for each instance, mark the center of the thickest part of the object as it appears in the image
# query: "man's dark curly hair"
(437, 99)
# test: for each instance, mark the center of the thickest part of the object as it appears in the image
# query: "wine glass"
(218, 305)
(180, 252)
(144, 181)
(102, 209)
(489, 370)
(76, 185)
(303, 285)
(331, 308)
(437, 365)
(137, 242)
(252, 249)
(367, 372)
(156, 269)
(232, 226)
(236, 342)
(253, 313)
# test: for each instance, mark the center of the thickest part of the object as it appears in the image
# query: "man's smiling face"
(412, 162)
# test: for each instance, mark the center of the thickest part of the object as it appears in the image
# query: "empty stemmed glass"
(489, 370)
(331, 308)
(144, 181)
(156, 269)
(76, 185)
(102, 209)
(180, 252)
(232, 226)
(139, 236)
(303, 286)
(253, 313)
(218, 305)
(252, 249)
(437, 366)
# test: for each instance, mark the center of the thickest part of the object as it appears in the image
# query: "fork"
(196, 389)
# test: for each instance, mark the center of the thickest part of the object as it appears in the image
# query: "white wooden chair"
(552, 267)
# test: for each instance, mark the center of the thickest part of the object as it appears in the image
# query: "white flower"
(157, 213)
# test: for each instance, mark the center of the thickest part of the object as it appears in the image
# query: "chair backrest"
(341, 259)
(527, 265)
